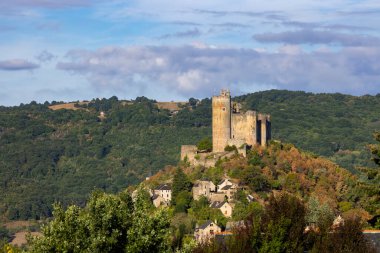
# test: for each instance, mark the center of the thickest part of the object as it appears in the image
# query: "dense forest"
(63, 155)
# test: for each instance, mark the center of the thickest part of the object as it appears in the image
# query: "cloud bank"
(319, 37)
(17, 64)
(15, 4)
(199, 71)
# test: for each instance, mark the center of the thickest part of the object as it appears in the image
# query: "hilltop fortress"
(230, 127)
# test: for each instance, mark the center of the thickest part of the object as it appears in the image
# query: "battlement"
(225, 93)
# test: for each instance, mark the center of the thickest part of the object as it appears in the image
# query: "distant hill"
(333, 125)
(62, 155)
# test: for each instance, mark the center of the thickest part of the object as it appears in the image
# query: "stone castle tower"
(221, 120)
(232, 127)
(229, 127)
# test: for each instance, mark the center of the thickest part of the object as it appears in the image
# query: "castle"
(230, 127)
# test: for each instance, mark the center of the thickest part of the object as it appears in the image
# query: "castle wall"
(244, 127)
(221, 121)
(189, 151)
(265, 131)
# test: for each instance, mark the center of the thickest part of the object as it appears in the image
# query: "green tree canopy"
(180, 183)
(108, 223)
(375, 149)
(283, 224)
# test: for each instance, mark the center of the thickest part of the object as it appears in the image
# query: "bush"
(229, 148)
(205, 144)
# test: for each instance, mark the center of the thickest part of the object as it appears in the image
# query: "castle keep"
(232, 127)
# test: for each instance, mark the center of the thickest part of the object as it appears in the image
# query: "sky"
(69, 50)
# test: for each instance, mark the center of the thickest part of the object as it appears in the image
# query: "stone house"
(224, 207)
(158, 200)
(228, 188)
(217, 196)
(224, 183)
(203, 188)
(164, 191)
(231, 225)
(225, 190)
(206, 231)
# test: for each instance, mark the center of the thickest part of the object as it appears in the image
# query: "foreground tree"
(346, 238)
(279, 229)
(283, 224)
(108, 223)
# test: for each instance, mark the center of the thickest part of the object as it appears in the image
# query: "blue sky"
(172, 50)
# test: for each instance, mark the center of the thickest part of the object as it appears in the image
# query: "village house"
(235, 225)
(162, 195)
(224, 191)
(225, 182)
(206, 231)
(224, 207)
(228, 188)
(217, 196)
(203, 188)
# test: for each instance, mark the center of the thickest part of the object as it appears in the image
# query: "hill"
(294, 199)
(332, 125)
(62, 155)
(283, 168)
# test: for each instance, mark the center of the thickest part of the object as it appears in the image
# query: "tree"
(283, 224)
(4, 234)
(193, 102)
(346, 238)
(148, 232)
(182, 202)
(180, 183)
(375, 149)
(319, 214)
(108, 223)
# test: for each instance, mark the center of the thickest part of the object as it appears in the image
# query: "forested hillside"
(333, 125)
(62, 155)
(294, 199)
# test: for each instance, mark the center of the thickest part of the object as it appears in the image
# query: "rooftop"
(217, 204)
(163, 187)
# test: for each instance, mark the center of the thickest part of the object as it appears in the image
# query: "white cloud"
(193, 71)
